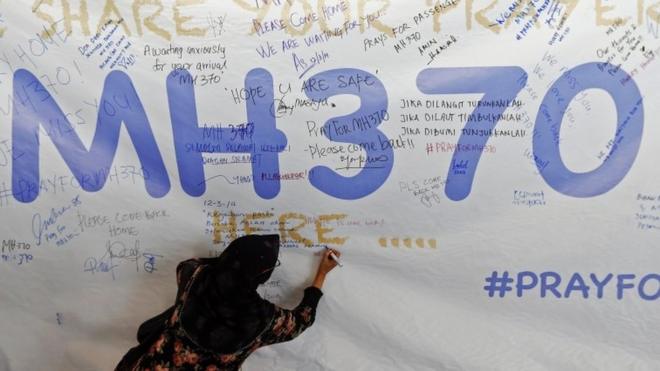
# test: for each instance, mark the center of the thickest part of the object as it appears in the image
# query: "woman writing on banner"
(219, 318)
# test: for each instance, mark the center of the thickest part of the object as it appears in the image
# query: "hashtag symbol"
(429, 148)
(496, 283)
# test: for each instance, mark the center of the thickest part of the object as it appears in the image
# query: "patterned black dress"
(174, 349)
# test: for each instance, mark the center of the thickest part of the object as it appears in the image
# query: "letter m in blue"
(34, 106)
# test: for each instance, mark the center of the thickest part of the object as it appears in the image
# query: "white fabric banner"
(488, 170)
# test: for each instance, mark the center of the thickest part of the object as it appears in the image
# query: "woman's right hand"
(327, 263)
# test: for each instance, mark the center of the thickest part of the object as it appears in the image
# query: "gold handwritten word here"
(287, 232)
(111, 13)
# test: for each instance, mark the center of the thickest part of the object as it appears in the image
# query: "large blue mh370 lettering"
(34, 108)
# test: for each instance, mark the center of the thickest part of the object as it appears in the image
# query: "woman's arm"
(325, 266)
(287, 324)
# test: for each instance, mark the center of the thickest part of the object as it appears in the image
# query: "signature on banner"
(116, 254)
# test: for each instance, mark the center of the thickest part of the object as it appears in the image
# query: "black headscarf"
(223, 310)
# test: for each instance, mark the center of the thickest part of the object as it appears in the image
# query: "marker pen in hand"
(334, 257)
